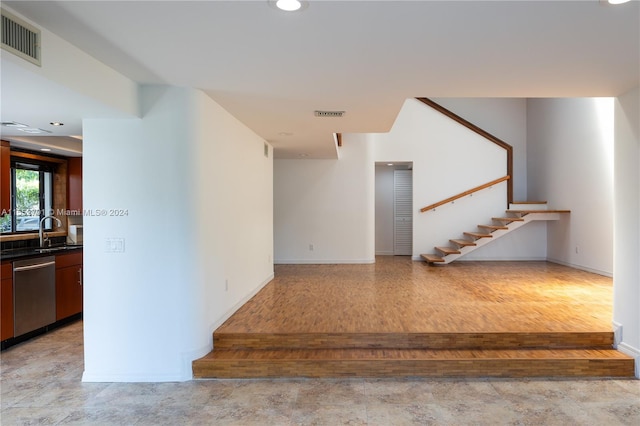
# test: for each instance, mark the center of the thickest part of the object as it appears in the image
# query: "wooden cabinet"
(6, 301)
(68, 285)
(74, 185)
(5, 177)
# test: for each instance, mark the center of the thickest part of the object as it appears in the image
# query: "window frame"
(42, 167)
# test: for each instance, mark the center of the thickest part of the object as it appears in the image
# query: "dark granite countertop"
(24, 253)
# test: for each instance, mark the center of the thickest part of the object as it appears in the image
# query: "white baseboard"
(133, 378)
(501, 259)
(494, 259)
(323, 261)
(581, 267)
(384, 253)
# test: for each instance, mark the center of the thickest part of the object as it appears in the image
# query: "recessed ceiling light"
(615, 1)
(389, 164)
(32, 130)
(56, 123)
(288, 5)
(13, 124)
(45, 149)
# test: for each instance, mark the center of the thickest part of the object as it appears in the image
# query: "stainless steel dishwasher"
(34, 294)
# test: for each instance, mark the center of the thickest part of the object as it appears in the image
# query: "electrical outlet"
(310, 247)
(576, 249)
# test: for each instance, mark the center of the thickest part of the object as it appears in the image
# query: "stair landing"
(397, 318)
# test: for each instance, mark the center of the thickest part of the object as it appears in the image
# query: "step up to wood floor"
(414, 363)
(251, 355)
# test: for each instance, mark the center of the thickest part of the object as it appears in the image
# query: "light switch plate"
(114, 245)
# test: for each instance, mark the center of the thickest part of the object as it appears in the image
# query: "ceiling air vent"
(20, 38)
(329, 113)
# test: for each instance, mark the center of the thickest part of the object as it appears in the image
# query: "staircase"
(518, 215)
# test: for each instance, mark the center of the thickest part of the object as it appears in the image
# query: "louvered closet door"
(403, 212)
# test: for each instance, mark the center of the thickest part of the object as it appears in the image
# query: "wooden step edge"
(464, 243)
(478, 235)
(415, 354)
(447, 250)
(528, 202)
(432, 258)
(508, 219)
(412, 340)
(493, 227)
(537, 211)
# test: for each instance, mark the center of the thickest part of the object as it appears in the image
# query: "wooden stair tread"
(528, 202)
(493, 227)
(432, 258)
(448, 250)
(537, 211)
(478, 235)
(463, 243)
(413, 340)
(508, 219)
(346, 354)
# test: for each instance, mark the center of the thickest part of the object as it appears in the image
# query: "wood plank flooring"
(404, 318)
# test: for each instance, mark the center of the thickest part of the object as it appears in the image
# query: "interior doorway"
(394, 209)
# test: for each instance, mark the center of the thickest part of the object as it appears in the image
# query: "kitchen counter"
(26, 253)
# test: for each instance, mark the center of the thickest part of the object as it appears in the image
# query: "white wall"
(505, 118)
(384, 210)
(570, 165)
(449, 159)
(327, 204)
(197, 194)
(627, 222)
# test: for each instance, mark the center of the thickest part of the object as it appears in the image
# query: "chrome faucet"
(40, 233)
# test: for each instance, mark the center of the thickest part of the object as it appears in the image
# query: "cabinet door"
(5, 177)
(6, 308)
(74, 188)
(68, 291)
(6, 301)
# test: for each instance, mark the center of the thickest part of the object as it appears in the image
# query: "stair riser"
(413, 341)
(512, 368)
(528, 206)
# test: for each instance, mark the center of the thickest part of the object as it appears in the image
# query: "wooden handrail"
(482, 133)
(465, 193)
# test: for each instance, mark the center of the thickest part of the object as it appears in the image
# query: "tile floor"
(41, 385)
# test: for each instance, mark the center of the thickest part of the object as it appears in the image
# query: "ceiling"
(272, 69)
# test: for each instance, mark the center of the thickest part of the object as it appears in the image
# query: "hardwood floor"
(404, 318)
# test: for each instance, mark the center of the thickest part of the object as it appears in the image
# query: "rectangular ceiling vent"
(329, 113)
(20, 38)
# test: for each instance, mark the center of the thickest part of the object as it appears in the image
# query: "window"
(31, 196)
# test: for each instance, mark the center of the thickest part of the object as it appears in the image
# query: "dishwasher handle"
(31, 267)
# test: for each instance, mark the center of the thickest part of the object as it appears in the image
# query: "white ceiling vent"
(20, 38)
(329, 113)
